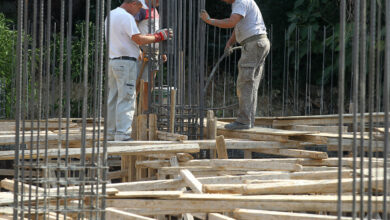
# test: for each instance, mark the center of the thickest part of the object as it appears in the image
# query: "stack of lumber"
(163, 176)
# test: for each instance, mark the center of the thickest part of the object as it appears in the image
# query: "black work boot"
(237, 126)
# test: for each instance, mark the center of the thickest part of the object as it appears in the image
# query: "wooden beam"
(179, 183)
(294, 153)
(255, 165)
(326, 129)
(273, 215)
(240, 144)
(135, 150)
(290, 187)
(192, 182)
(147, 194)
(112, 213)
(216, 216)
(321, 119)
(166, 136)
(172, 111)
(152, 127)
(221, 147)
(208, 203)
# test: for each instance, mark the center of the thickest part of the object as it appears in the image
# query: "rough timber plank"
(321, 119)
(240, 144)
(290, 187)
(147, 194)
(216, 216)
(267, 134)
(179, 183)
(166, 136)
(255, 165)
(347, 162)
(273, 215)
(294, 153)
(136, 150)
(221, 147)
(326, 129)
(191, 181)
(112, 213)
(201, 203)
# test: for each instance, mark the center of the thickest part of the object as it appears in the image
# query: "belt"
(253, 38)
(124, 58)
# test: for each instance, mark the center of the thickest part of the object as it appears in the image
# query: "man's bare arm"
(224, 23)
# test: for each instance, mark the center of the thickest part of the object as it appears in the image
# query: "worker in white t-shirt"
(250, 32)
(124, 41)
(148, 20)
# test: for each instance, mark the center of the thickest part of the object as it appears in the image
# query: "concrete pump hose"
(216, 67)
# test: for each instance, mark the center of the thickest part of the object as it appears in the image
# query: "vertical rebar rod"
(355, 73)
(362, 87)
(371, 99)
(341, 104)
(323, 71)
(386, 108)
(18, 107)
(105, 106)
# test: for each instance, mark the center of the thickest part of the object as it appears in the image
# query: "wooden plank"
(240, 144)
(112, 213)
(179, 183)
(221, 147)
(255, 165)
(142, 127)
(152, 127)
(273, 215)
(192, 182)
(326, 129)
(290, 187)
(294, 153)
(121, 151)
(208, 163)
(117, 174)
(321, 119)
(166, 136)
(9, 185)
(216, 216)
(172, 111)
(347, 162)
(209, 203)
(125, 167)
(211, 125)
(147, 194)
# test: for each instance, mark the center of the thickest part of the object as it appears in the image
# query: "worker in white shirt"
(124, 41)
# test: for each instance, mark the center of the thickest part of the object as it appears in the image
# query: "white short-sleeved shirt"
(252, 22)
(122, 28)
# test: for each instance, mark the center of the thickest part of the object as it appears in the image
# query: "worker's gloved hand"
(163, 34)
(228, 50)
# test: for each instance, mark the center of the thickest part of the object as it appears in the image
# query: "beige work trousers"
(250, 71)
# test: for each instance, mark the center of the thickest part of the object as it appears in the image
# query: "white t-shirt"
(122, 28)
(252, 22)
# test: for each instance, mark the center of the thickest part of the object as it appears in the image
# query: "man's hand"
(163, 34)
(204, 15)
(228, 50)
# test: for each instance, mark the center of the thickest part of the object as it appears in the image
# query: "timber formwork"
(287, 171)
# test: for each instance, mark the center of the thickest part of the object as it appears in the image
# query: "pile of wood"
(162, 176)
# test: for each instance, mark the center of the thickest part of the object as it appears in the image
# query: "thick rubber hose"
(215, 69)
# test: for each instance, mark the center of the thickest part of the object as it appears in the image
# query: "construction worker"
(251, 33)
(148, 18)
(124, 41)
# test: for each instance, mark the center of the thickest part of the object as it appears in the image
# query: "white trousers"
(122, 78)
